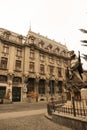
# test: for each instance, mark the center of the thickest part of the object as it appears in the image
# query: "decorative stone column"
(24, 88)
(36, 85)
(36, 88)
(47, 88)
(9, 88)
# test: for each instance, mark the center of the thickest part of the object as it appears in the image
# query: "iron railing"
(79, 108)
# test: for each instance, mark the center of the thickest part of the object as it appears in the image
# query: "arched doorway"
(3, 79)
(16, 90)
(30, 85)
(60, 83)
(16, 94)
(41, 87)
(51, 87)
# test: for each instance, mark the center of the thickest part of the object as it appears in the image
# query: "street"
(32, 118)
(22, 106)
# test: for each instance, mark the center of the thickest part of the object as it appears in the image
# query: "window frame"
(32, 54)
(5, 49)
(19, 52)
(5, 61)
(16, 65)
(31, 66)
(42, 69)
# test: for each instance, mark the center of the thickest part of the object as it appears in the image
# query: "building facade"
(31, 66)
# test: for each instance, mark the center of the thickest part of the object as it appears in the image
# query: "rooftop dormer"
(6, 34)
(41, 43)
(31, 39)
(49, 47)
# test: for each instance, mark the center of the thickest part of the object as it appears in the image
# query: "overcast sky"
(56, 19)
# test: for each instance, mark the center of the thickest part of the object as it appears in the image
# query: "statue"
(76, 66)
(74, 79)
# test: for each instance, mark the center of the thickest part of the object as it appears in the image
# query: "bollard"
(49, 108)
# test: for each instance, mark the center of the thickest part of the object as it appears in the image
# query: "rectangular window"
(60, 72)
(51, 59)
(3, 79)
(42, 69)
(19, 52)
(59, 61)
(18, 65)
(5, 49)
(51, 70)
(4, 63)
(31, 66)
(42, 57)
(32, 54)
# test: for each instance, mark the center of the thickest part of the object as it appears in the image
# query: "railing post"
(73, 105)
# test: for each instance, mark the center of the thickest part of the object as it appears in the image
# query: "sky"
(57, 19)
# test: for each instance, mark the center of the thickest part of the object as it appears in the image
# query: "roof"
(47, 41)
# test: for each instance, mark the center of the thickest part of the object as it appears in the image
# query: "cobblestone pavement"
(32, 122)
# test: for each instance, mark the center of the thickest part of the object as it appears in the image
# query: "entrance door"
(41, 88)
(51, 87)
(16, 94)
(30, 85)
(2, 92)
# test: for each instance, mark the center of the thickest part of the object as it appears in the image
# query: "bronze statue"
(74, 79)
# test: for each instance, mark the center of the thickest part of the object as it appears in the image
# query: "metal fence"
(77, 108)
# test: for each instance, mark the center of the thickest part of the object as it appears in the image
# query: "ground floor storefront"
(16, 89)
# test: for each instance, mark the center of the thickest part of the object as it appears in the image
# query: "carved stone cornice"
(10, 74)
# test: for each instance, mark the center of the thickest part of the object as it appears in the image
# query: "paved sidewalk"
(8, 115)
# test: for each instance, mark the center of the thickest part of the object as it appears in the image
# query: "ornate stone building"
(31, 64)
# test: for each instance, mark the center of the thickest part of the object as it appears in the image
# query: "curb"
(48, 116)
